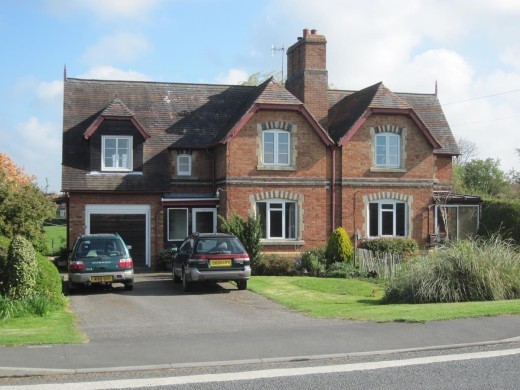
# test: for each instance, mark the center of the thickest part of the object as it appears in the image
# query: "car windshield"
(229, 245)
(100, 247)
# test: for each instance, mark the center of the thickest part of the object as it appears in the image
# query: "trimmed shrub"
(48, 279)
(21, 268)
(339, 248)
(275, 265)
(501, 216)
(314, 261)
(397, 245)
(479, 270)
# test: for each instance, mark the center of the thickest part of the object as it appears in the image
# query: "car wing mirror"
(129, 247)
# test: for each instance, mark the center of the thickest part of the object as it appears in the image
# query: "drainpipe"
(333, 188)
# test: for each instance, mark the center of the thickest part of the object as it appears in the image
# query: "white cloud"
(117, 47)
(233, 76)
(469, 47)
(39, 139)
(50, 92)
(107, 72)
(105, 9)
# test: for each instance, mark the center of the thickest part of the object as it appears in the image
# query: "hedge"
(501, 217)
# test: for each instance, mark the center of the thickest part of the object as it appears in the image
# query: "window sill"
(115, 173)
(187, 178)
(387, 170)
(271, 242)
(275, 168)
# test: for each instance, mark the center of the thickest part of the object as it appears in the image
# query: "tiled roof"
(347, 107)
(117, 108)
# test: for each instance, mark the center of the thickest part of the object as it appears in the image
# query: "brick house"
(155, 161)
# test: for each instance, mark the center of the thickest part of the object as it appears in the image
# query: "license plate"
(220, 263)
(101, 278)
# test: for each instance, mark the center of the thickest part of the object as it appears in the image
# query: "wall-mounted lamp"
(219, 190)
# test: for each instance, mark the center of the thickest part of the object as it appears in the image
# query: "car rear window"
(229, 245)
(96, 247)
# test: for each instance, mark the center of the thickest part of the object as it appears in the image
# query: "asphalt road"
(158, 326)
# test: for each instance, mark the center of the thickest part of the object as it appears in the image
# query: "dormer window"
(388, 150)
(184, 165)
(116, 153)
(276, 146)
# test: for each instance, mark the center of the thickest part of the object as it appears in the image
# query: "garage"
(131, 222)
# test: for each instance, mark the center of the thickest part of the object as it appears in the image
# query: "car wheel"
(186, 286)
(242, 284)
(176, 279)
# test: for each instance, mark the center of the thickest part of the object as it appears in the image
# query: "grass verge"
(362, 300)
(58, 327)
(56, 236)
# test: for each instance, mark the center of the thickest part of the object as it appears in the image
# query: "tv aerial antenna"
(280, 49)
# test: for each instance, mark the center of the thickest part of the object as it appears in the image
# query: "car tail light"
(126, 263)
(242, 260)
(76, 265)
(197, 260)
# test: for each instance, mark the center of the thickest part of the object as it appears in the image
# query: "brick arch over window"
(391, 196)
(389, 129)
(292, 129)
(298, 199)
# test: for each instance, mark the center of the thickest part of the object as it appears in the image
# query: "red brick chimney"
(307, 76)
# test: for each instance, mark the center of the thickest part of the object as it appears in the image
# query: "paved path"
(157, 325)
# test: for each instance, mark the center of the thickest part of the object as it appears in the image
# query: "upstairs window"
(388, 150)
(276, 147)
(116, 153)
(183, 165)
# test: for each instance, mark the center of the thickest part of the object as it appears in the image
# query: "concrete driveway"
(158, 307)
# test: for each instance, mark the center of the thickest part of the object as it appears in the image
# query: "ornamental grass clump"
(461, 271)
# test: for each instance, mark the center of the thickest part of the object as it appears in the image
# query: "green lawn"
(361, 300)
(59, 327)
(56, 236)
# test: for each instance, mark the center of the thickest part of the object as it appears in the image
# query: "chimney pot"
(305, 32)
(314, 31)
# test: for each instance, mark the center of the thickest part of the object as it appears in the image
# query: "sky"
(470, 48)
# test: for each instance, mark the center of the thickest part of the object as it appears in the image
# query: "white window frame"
(380, 212)
(187, 172)
(130, 159)
(168, 224)
(194, 213)
(388, 155)
(276, 135)
(284, 211)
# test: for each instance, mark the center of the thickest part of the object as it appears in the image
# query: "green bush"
(397, 245)
(501, 216)
(345, 270)
(314, 261)
(164, 259)
(4, 247)
(21, 268)
(48, 279)
(275, 265)
(478, 270)
(248, 232)
(339, 248)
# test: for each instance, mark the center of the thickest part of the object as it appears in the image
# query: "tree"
(339, 247)
(23, 206)
(259, 77)
(468, 151)
(483, 177)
